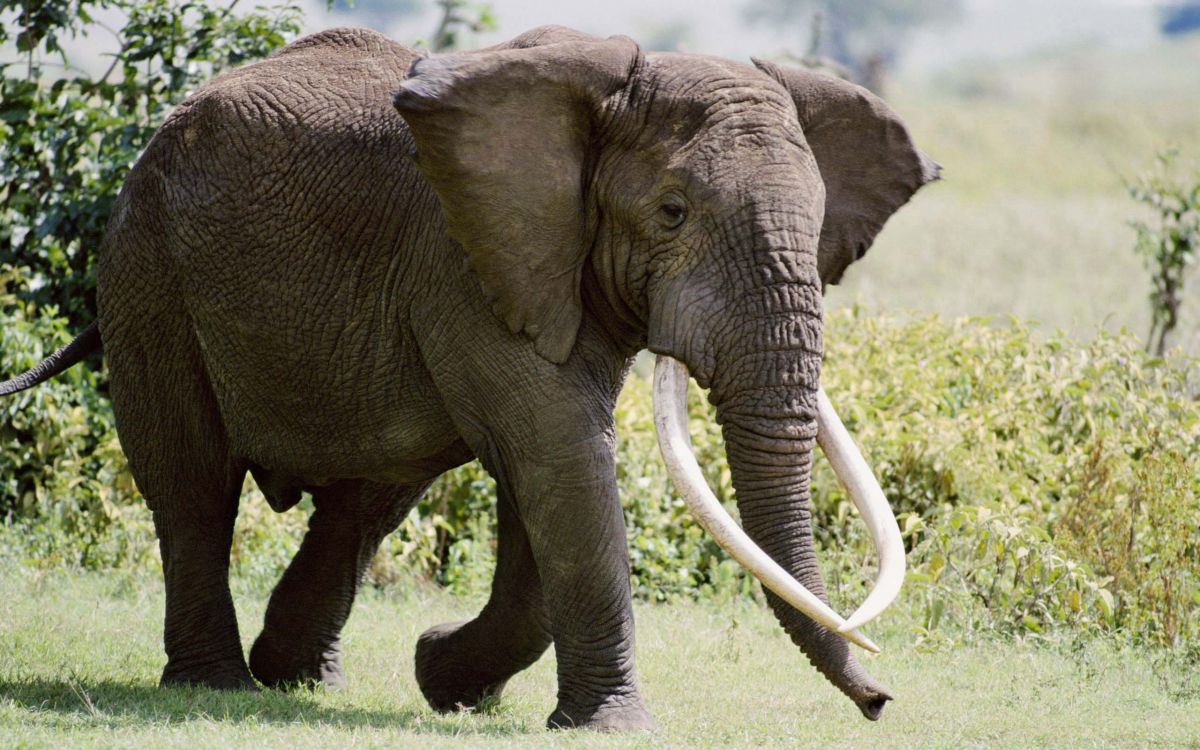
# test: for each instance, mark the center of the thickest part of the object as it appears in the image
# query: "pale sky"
(991, 28)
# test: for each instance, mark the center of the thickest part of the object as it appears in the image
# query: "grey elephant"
(350, 268)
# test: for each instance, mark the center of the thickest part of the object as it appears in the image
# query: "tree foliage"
(857, 34)
(458, 16)
(68, 138)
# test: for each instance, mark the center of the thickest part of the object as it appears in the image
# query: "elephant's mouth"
(670, 421)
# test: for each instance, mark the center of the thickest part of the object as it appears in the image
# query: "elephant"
(352, 266)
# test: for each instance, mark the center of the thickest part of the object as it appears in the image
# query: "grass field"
(1031, 218)
(80, 657)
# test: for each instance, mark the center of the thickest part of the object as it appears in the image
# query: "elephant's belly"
(326, 416)
(321, 448)
(282, 488)
(316, 452)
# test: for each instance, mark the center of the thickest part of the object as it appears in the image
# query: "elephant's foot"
(449, 675)
(290, 665)
(625, 716)
(232, 676)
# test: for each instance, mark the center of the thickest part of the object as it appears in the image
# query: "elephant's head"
(689, 204)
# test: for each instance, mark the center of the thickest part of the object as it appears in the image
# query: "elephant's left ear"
(503, 136)
(868, 161)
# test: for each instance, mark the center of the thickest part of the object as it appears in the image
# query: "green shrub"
(60, 462)
(449, 538)
(1137, 526)
(1043, 486)
(68, 139)
(1170, 245)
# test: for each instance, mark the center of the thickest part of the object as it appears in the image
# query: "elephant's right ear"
(502, 136)
(867, 158)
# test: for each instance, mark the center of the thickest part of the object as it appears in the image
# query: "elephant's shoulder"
(349, 59)
(343, 41)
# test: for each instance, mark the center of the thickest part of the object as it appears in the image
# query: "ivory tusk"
(670, 423)
(860, 483)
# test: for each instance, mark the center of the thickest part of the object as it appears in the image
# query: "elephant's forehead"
(694, 105)
(713, 84)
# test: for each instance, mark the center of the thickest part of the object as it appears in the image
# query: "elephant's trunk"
(770, 458)
(769, 432)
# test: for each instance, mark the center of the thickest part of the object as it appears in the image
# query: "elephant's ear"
(502, 136)
(867, 159)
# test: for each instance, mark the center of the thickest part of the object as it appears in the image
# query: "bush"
(67, 139)
(1042, 486)
(60, 462)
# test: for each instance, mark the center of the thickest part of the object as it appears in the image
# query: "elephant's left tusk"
(860, 483)
(670, 423)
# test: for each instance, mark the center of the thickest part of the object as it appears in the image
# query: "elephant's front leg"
(300, 642)
(562, 573)
(459, 664)
(568, 503)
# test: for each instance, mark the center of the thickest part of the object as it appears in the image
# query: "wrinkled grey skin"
(285, 290)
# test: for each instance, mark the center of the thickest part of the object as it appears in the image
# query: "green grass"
(80, 656)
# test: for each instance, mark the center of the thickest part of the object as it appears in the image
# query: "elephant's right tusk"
(670, 423)
(860, 483)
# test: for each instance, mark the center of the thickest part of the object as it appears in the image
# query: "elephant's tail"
(66, 357)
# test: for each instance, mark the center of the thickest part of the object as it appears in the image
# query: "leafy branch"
(1169, 245)
(459, 16)
(68, 140)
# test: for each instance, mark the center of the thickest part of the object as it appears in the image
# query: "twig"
(83, 697)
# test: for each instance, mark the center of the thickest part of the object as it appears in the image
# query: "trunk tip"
(872, 707)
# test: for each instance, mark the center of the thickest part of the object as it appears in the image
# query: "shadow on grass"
(106, 700)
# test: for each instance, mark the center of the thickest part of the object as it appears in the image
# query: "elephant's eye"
(672, 211)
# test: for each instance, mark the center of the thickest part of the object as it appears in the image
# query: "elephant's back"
(301, 154)
(343, 75)
(324, 97)
(281, 201)
(288, 184)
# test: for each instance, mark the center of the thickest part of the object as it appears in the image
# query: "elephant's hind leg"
(178, 452)
(300, 641)
(201, 632)
(460, 664)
